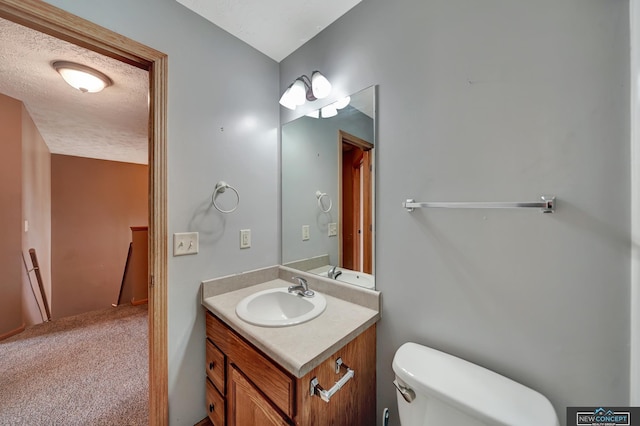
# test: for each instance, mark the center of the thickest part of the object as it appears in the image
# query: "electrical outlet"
(305, 232)
(245, 238)
(333, 229)
(185, 243)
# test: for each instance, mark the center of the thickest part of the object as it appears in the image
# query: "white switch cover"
(333, 229)
(185, 243)
(305, 232)
(245, 238)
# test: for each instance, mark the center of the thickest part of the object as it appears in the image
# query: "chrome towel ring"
(221, 187)
(320, 196)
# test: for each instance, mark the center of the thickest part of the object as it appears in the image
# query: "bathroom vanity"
(319, 372)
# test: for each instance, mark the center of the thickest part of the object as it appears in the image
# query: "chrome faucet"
(302, 289)
(333, 273)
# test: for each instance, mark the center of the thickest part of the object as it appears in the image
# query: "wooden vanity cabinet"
(247, 405)
(247, 388)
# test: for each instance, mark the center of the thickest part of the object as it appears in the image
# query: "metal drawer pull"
(325, 395)
(211, 365)
(407, 393)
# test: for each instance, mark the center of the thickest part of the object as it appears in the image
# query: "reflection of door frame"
(350, 222)
(58, 23)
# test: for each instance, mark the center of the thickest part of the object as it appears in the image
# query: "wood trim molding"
(345, 137)
(204, 422)
(13, 332)
(56, 22)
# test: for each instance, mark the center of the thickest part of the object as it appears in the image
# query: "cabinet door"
(247, 406)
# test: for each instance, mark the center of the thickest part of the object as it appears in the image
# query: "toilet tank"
(447, 388)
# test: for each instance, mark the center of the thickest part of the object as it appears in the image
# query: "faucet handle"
(301, 281)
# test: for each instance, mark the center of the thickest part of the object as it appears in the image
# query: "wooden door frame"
(58, 23)
(365, 146)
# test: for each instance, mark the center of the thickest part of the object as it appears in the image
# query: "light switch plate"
(305, 232)
(185, 243)
(245, 238)
(333, 229)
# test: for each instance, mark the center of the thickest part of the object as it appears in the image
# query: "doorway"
(63, 25)
(355, 207)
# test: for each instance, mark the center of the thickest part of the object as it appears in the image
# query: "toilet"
(436, 389)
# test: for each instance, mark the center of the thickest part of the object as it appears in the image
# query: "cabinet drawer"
(215, 366)
(215, 405)
(259, 369)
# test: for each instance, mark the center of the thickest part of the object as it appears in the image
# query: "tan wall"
(93, 205)
(10, 215)
(36, 210)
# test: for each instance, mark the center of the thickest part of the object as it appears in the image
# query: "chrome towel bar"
(547, 204)
(325, 395)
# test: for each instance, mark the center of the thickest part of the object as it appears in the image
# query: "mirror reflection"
(328, 192)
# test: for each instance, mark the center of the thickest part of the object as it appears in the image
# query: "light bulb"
(320, 85)
(298, 92)
(342, 103)
(314, 114)
(329, 111)
(286, 100)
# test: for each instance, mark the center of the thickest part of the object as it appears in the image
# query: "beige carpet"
(89, 369)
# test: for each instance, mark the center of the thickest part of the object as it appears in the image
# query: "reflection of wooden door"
(367, 213)
(356, 215)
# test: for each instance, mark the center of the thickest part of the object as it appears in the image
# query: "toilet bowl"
(436, 389)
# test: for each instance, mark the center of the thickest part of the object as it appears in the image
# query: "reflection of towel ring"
(220, 188)
(319, 196)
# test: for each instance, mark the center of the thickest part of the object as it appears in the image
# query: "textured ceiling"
(274, 27)
(110, 125)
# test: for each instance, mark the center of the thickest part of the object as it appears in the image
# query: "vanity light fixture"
(342, 103)
(82, 77)
(329, 111)
(305, 89)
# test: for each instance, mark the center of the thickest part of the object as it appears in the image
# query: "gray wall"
(309, 163)
(223, 125)
(498, 101)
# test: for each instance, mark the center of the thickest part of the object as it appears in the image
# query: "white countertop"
(298, 348)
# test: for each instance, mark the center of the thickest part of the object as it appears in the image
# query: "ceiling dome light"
(314, 114)
(81, 77)
(320, 85)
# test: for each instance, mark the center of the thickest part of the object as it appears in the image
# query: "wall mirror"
(328, 190)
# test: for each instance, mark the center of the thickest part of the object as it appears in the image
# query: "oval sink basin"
(277, 307)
